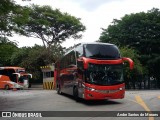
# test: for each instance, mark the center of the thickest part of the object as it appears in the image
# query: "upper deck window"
(101, 51)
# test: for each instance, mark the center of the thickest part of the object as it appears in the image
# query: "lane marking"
(131, 100)
(144, 94)
(142, 103)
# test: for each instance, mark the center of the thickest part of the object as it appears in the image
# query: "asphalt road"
(49, 100)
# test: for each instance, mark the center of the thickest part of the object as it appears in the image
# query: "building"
(48, 76)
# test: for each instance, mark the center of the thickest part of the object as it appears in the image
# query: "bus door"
(24, 80)
(21, 80)
(71, 77)
(16, 78)
(67, 77)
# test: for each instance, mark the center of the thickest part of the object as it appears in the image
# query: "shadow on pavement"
(94, 102)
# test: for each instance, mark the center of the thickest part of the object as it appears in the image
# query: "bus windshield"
(24, 77)
(101, 51)
(101, 74)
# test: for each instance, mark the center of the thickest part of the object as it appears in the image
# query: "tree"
(51, 26)
(20, 55)
(7, 48)
(32, 58)
(132, 77)
(57, 52)
(6, 7)
(140, 31)
(11, 17)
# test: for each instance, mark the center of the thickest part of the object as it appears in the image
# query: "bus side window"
(14, 77)
(79, 51)
(1, 72)
(71, 59)
(21, 79)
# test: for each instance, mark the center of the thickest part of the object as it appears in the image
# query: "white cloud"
(91, 5)
(94, 16)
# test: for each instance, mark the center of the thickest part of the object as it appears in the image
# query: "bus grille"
(107, 91)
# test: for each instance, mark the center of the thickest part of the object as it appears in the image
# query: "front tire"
(75, 94)
(29, 86)
(6, 87)
(59, 90)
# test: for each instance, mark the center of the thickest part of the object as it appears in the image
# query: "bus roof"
(85, 43)
(100, 43)
(10, 67)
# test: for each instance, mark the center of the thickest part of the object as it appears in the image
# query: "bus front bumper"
(103, 94)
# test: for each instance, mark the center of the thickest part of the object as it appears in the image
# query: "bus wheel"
(6, 87)
(29, 85)
(59, 90)
(75, 94)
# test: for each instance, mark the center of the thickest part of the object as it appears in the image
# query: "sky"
(94, 14)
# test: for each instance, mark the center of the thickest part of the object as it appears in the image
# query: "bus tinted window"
(79, 51)
(68, 60)
(101, 51)
(102, 74)
(9, 73)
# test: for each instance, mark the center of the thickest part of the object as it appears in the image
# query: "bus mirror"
(30, 75)
(17, 74)
(80, 59)
(80, 63)
(131, 63)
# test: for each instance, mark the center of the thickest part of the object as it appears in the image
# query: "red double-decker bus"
(92, 71)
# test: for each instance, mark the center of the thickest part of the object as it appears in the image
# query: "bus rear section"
(14, 77)
(92, 71)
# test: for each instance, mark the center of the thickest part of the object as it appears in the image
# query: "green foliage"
(32, 58)
(19, 55)
(131, 53)
(19, 18)
(57, 51)
(12, 16)
(154, 65)
(51, 26)
(7, 6)
(7, 48)
(132, 76)
(140, 31)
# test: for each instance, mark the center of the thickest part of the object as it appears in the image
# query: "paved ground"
(49, 100)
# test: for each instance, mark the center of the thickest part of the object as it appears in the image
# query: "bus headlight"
(14, 85)
(88, 88)
(122, 88)
(91, 89)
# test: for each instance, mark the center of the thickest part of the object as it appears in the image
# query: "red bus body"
(96, 74)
